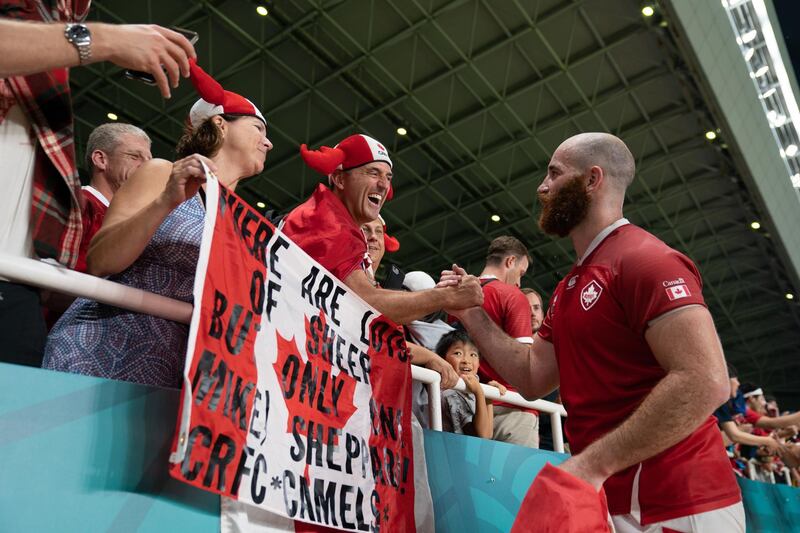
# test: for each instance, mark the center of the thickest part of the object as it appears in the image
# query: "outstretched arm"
(775, 422)
(740, 437)
(28, 47)
(404, 307)
(686, 346)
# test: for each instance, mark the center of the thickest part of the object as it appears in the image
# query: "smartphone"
(146, 77)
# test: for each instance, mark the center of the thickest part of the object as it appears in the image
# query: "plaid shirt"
(45, 98)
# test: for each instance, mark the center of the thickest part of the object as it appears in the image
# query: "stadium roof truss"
(486, 90)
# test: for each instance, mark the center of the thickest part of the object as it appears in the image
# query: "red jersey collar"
(600, 238)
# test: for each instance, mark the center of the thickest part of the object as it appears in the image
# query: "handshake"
(460, 291)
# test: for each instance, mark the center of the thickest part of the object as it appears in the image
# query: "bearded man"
(632, 345)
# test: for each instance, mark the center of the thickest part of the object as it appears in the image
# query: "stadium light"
(261, 205)
(749, 54)
(112, 116)
(749, 36)
(495, 218)
(711, 135)
(768, 93)
(262, 10)
(776, 120)
(760, 72)
(648, 11)
(796, 181)
(755, 225)
(402, 131)
(791, 150)
(789, 296)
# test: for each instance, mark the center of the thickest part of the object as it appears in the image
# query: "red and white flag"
(676, 292)
(296, 395)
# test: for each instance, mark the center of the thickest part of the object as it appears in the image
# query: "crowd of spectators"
(762, 442)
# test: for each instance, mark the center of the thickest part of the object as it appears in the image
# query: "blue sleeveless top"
(100, 340)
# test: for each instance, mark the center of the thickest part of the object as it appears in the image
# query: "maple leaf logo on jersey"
(590, 294)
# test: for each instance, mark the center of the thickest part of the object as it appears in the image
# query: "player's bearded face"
(564, 209)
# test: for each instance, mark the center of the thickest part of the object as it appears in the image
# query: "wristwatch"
(81, 38)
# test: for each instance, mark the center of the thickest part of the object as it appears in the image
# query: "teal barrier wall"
(88, 454)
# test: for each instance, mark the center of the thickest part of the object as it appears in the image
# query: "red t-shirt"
(326, 231)
(94, 211)
(596, 321)
(508, 308)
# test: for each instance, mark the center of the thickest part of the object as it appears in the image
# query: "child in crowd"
(469, 414)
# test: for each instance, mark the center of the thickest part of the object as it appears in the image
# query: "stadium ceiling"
(486, 90)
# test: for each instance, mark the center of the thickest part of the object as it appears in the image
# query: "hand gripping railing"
(63, 280)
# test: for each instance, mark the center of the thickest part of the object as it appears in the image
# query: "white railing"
(61, 279)
(432, 380)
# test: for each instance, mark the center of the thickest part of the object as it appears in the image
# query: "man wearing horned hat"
(328, 227)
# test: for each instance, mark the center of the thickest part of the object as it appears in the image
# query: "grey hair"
(106, 137)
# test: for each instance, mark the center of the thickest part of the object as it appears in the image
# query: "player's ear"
(595, 179)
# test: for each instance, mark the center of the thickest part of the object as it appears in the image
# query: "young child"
(469, 414)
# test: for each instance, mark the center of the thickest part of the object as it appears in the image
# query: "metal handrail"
(58, 278)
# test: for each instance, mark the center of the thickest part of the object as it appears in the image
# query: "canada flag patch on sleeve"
(676, 292)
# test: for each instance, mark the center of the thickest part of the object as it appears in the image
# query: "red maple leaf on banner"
(311, 390)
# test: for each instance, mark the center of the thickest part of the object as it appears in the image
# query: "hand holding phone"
(146, 77)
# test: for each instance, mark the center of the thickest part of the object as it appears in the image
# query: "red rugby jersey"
(323, 227)
(596, 321)
(508, 308)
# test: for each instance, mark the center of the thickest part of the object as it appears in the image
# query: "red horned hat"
(214, 100)
(390, 244)
(354, 151)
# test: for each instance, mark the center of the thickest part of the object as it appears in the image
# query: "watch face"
(79, 33)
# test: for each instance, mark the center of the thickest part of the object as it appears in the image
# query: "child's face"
(464, 358)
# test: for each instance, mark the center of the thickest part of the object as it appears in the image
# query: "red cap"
(354, 151)
(214, 100)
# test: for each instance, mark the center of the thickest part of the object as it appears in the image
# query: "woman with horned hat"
(150, 239)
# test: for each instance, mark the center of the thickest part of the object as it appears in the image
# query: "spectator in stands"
(328, 227)
(40, 208)
(378, 242)
(468, 414)
(772, 405)
(725, 416)
(628, 338)
(114, 152)
(537, 309)
(757, 409)
(507, 260)
(150, 239)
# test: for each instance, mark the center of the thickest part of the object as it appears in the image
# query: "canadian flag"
(676, 292)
